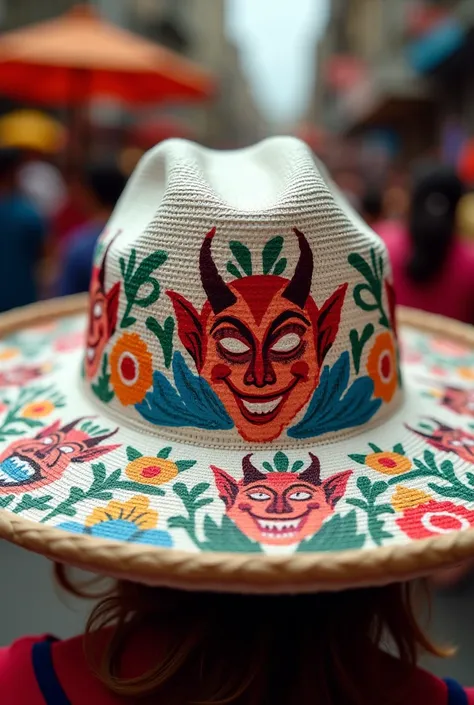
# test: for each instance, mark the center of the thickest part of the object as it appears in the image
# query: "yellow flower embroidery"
(135, 510)
(151, 471)
(37, 409)
(388, 462)
(404, 498)
(8, 354)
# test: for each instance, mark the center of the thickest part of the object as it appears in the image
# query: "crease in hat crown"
(237, 301)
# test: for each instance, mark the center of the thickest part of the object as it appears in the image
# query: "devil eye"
(259, 496)
(97, 310)
(456, 443)
(66, 449)
(234, 345)
(47, 441)
(300, 496)
(287, 343)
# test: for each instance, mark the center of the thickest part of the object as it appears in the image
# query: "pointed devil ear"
(113, 298)
(92, 453)
(328, 322)
(50, 429)
(226, 486)
(190, 329)
(334, 487)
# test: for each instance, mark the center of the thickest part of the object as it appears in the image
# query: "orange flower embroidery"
(131, 369)
(37, 410)
(382, 367)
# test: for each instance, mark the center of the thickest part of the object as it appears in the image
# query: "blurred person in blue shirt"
(22, 236)
(100, 191)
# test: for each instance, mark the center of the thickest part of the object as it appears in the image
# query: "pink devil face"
(103, 310)
(461, 401)
(20, 375)
(280, 508)
(451, 440)
(30, 463)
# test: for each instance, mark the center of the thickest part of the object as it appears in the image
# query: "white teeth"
(90, 353)
(286, 535)
(279, 525)
(261, 407)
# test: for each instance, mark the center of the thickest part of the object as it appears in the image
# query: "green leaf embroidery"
(5, 501)
(369, 296)
(281, 462)
(370, 491)
(135, 279)
(280, 266)
(133, 453)
(227, 537)
(398, 448)
(29, 502)
(358, 458)
(242, 255)
(192, 501)
(271, 253)
(358, 344)
(375, 448)
(102, 388)
(164, 453)
(165, 336)
(267, 466)
(336, 534)
(232, 269)
(183, 465)
(297, 465)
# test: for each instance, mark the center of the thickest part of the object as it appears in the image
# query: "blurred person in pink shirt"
(433, 269)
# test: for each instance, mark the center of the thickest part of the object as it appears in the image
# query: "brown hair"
(321, 649)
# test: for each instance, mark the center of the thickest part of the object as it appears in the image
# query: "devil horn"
(218, 293)
(312, 473)
(299, 287)
(104, 261)
(251, 473)
(90, 442)
(74, 423)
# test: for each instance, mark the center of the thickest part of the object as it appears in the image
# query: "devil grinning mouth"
(17, 470)
(261, 408)
(280, 528)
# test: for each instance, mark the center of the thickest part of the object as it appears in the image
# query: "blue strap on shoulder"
(456, 693)
(46, 677)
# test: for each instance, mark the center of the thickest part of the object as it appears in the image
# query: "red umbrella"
(79, 56)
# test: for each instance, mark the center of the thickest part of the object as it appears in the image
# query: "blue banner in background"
(436, 46)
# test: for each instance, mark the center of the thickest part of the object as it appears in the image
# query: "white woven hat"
(239, 416)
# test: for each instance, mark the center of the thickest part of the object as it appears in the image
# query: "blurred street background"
(381, 90)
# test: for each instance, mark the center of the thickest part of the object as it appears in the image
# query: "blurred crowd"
(52, 218)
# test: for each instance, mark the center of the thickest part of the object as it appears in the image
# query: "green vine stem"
(135, 278)
(445, 472)
(373, 274)
(100, 490)
(371, 491)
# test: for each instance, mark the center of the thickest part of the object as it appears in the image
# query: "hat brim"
(400, 520)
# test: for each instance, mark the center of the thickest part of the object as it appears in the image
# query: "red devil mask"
(280, 508)
(259, 341)
(103, 309)
(451, 440)
(33, 462)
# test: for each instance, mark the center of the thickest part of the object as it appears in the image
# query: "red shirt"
(450, 293)
(19, 684)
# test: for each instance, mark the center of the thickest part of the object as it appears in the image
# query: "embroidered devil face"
(461, 401)
(280, 508)
(259, 341)
(451, 440)
(103, 308)
(33, 462)
(20, 375)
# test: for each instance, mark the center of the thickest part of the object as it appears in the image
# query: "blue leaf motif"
(192, 403)
(332, 410)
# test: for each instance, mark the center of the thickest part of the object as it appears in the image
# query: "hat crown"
(236, 300)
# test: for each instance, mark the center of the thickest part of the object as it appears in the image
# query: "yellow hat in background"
(465, 217)
(32, 129)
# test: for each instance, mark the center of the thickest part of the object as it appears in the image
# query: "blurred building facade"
(398, 73)
(194, 28)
